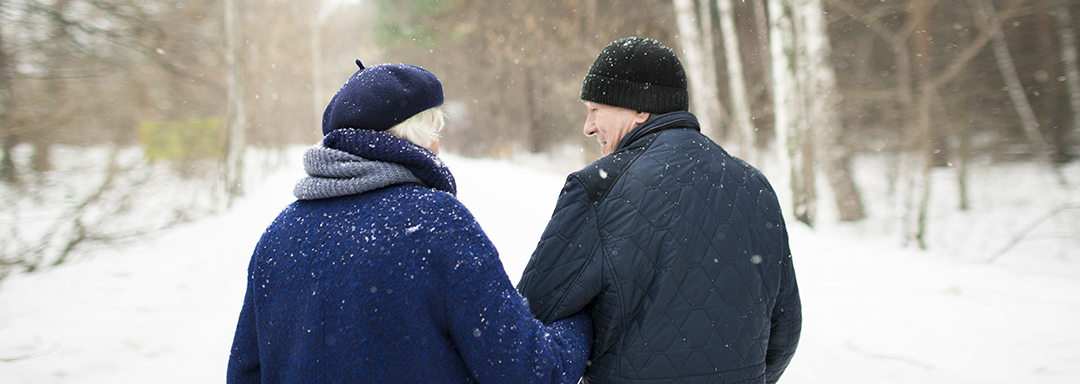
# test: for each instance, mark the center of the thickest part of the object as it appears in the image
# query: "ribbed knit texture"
(635, 96)
(384, 147)
(394, 285)
(334, 173)
(637, 73)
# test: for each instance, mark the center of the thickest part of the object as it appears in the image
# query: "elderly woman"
(378, 274)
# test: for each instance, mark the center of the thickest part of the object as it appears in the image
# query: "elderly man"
(678, 248)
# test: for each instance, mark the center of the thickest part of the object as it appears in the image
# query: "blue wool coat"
(393, 285)
(682, 254)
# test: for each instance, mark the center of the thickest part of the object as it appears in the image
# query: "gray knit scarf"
(333, 173)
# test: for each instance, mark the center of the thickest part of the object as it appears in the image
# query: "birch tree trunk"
(742, 125)
(793, 144)
(694, 65)
(806, 101)
(1071, 62)
(1012, 81)
(237, 119)
(713, 107)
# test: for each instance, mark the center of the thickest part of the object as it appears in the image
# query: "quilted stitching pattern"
(685, 264)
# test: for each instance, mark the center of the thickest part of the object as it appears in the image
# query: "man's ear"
(641, 117)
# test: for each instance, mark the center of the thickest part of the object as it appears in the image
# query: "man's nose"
(589, 129)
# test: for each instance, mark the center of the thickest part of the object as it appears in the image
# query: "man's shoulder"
(602, 175)
(703, 151)
(599, 177)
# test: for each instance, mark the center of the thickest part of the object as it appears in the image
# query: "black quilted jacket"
(681, 252)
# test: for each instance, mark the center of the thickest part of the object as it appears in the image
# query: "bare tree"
(714, 107)
(759, 74)
(807, 101)
(1071, 62)
(903, 93)
(54, 87)
(740, 105)
(795, 144)
(90, 75)
(824, 98)
(1008, 71)
(8, 137)
(919, 93)
(925, 136)
(118, 198)
(702, 92)
(237, 115)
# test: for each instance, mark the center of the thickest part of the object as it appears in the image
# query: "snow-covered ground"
(163, 310)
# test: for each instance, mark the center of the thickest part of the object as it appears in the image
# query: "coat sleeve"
(498, 338)
(786, 320)
(244, 359)
(564, 274)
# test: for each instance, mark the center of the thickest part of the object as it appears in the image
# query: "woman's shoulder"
(415, 194)
(422, 204)
(422, 197)
(408, 202)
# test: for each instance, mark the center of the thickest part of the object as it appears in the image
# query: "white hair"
(422, 129)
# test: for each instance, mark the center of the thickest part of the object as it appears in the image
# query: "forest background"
(102, 100)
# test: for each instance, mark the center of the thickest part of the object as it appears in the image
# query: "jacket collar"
(657, 123)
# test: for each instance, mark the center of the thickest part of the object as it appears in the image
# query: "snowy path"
(163, 311)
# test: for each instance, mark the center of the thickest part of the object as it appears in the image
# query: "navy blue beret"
(379, 97)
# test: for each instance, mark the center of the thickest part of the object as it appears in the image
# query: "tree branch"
(1030, 227)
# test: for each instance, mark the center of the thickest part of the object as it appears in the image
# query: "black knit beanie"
(637, 73)
(378, 98)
